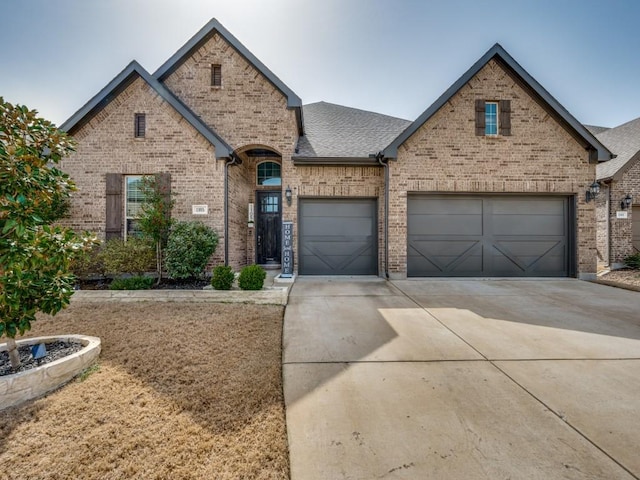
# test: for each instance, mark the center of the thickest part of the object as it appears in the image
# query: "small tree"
(155, 221)
(34, 256)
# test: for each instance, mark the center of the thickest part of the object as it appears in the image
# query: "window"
(140, 125)
(134, 199)
(269, 174)
(491, 118)
(216, 75)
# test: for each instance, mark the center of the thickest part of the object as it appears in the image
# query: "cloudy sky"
(390, 56)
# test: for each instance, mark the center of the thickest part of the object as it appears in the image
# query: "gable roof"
(200, 38)
(337, 134)
(578, 130)
(624, 141)
(122, 81)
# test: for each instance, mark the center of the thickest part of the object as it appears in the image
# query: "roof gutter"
(384, 163)
(232, 160)
(357, 161)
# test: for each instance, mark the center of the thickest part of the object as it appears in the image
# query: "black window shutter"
(505, 117)
(216, 75)
(480, 117)
(114, 206)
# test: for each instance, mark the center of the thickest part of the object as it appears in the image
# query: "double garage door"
(448, 236)
(491, 236)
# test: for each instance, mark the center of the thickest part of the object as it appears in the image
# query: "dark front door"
(269, 226)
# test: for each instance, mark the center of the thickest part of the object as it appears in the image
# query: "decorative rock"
(23, 386)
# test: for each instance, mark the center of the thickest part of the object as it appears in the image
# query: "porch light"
(288, 195)
(593, 191)
(626, 202)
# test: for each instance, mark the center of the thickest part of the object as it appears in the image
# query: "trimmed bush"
(88, 263)
(633, 261)
(189, 248)
(133, 256)
(132, 283)
(252, 278)
(222, 278)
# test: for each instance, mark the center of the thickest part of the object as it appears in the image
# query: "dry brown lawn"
(183, 391)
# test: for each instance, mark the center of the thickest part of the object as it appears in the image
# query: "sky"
(390, 56)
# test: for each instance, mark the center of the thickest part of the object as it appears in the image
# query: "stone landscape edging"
(35, 382)
(267, 296)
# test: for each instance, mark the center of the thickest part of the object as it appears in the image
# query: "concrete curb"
(611, 283)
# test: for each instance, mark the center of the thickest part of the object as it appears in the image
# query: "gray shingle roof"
(595, 130)
(334, 131)
(623, 141)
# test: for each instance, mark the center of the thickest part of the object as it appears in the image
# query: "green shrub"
(189, 248)
(132, 283)
(633, 261)
(88, 263)
(133, 256)
(222, 278)
(252, 278)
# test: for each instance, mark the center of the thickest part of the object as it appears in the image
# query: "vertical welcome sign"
(287, 250)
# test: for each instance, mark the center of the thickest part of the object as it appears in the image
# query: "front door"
(269, 226)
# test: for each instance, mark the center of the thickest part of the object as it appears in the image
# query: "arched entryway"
(263, 174)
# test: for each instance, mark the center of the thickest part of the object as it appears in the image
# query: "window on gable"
(269, 174)
(216, 75)
(134, 198)
(493, 118)
(140, 125)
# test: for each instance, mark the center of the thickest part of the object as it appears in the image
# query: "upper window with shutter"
(216, 75)
(140, 125)
(493, 118)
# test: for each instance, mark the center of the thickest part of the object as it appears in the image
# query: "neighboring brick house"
(618, 203)
(489, 181)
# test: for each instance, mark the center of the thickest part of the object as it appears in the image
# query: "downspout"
(385, 164)
(233, 160)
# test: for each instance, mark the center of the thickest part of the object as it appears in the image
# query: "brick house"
(489, 181)
(619, 201)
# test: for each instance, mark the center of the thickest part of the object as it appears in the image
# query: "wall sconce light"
(288, 195)
(592, 193)
(626, 202)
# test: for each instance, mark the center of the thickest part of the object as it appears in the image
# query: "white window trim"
(126, 202)
(496, 103)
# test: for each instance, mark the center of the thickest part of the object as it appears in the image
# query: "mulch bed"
(55, 351)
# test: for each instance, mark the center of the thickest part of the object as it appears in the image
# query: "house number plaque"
(287, 250)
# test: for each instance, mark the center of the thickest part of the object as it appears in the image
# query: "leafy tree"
(34, 256)
(155, 220)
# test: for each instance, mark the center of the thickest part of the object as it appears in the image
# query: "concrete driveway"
(462, 379)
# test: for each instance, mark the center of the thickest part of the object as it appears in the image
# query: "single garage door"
(338, 237)
(489, 236)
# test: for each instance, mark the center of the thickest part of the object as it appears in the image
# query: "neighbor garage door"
(490, 236)
(338, 237)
